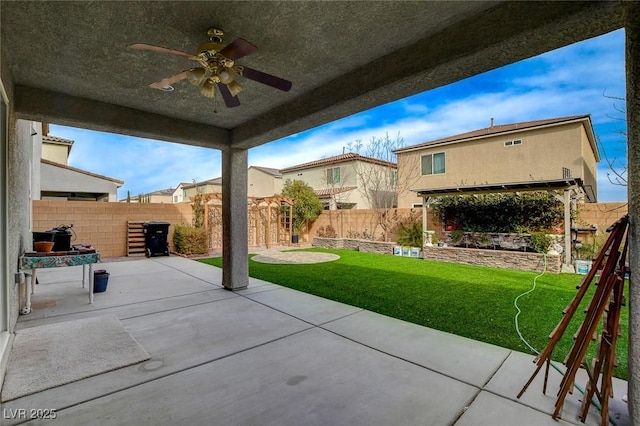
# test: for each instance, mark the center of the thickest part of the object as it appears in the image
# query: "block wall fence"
(104, 225)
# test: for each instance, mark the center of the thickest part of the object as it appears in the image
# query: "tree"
(307, 205)
(128, 197)
(379, 184)
(198, 209)
(617, 167)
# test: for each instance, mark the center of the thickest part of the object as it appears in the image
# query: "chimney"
(491, 122)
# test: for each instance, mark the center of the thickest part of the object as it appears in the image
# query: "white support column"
(632, 60)
(567, 226)
(424, 221)
(235, 234)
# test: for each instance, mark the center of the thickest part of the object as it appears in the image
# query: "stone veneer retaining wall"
(366, 246)
(521, 261)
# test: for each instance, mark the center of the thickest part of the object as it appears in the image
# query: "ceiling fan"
(217, 68)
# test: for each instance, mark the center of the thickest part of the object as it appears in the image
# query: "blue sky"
(568, 81)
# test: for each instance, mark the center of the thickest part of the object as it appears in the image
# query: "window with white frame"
(433, 164)
(333, 175)
(514, 142)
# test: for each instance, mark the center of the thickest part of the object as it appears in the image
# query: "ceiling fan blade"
(264, 78)
(237, 49)
(229, 100)
(169, 80)
(152, 48)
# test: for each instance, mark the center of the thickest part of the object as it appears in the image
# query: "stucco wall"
(59, 179)
(542, 155)
(262, 184)
(20, 154)
(104, 225)
(55, 152)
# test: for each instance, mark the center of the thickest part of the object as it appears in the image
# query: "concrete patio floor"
(269, 355)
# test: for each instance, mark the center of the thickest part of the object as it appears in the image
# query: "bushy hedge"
(510, 212)
(190, 240)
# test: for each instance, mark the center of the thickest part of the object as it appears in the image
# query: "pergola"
(569, 187)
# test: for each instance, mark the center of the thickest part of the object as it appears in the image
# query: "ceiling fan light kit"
(217, 68)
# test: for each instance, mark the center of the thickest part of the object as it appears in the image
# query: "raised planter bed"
(494, 240)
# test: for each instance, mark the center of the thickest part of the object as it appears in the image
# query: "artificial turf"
(470, 301)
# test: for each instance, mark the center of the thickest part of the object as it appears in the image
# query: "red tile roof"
(337, 159)
(333, 191)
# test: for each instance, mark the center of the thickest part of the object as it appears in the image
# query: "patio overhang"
(539, 185)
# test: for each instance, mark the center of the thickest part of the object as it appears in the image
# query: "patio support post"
(235, 234)
(424, 221)
(567, 227)
(632, 60)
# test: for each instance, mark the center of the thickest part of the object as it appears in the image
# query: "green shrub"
(410, 234)
(456, 236)
(190, 240)
(540, 242)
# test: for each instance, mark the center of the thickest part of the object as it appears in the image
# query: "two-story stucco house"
(263, 181)
(160, 196)
(346, 181)
(54, 179)
(517, 153)
(211, 186)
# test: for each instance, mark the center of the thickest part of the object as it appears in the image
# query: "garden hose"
(594, 402)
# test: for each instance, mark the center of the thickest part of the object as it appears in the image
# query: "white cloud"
(567, 81)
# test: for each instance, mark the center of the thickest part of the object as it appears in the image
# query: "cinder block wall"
(348, 222)
(602, 215)
(104, 225)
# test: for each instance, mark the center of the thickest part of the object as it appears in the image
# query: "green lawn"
(470, 301)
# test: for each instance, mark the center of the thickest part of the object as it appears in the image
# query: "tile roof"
(74, 169)
(56, 140)
(333, 191)
(337, 159)
(498, 129)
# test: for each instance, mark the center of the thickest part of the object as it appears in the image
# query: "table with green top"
(33, 261)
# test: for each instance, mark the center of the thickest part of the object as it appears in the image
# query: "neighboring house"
(62, 182)
(54, 179)
(178, 193)
(339, 180)
(532, 151)
(263, 181)
(159, 196)
(211, 186)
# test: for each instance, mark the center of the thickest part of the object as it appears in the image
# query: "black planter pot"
(294, 238)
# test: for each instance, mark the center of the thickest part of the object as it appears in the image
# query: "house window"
(433, 164)
(513, 142)
(333, 175)
(416, 205)
(394, 178)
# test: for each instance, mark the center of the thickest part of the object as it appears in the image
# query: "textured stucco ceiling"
(70, 64)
